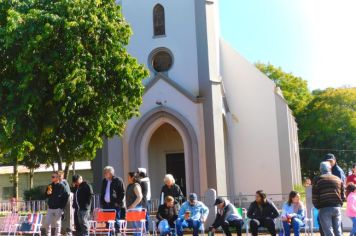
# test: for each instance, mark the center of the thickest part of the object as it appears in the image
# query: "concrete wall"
(252, 124)
(40, 179)
(165, 140)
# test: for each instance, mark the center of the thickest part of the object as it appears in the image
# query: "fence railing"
(41, 205)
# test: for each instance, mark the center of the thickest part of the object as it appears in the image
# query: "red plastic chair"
(104, 222)
(138, 218)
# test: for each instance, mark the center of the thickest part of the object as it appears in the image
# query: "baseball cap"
(329, 157)
(193, 197)
(218, 201)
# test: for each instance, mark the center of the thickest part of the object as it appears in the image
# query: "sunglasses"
(53, 176)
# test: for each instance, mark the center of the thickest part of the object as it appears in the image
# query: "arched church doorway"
(166, 156)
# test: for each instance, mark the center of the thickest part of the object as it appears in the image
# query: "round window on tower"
(161, 60)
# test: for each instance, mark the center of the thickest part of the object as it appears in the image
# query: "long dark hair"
(292, 195)
(135, 177)
(262, 194)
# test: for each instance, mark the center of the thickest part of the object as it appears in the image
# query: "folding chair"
(104, 222)
(31, 224)
(138, 218)
(8, 225)
(155, 228)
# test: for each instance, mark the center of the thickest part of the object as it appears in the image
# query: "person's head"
(354, 169)
(193, 199)
(294, 197)
(219, 203)
(325, 168)
(142, 172)
(169, 201)
(55, 177)
(351, 188)
(60, 175)
(133, 177)
(109, 172)
(307, 182)
(261, 196)
(77, 179)
(169, 180)
(330, 158)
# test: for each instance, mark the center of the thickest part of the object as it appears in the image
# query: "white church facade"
(208, 116)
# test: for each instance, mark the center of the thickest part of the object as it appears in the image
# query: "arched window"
(159, 26)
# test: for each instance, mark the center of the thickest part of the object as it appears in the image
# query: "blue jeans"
(296, 224)
(330, 220)
(193, 224)
(353, 231)
(164, 228)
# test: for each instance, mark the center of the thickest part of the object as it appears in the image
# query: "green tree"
(328, 124)
(66, 78)
(295, 89)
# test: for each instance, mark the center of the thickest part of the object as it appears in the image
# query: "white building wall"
(252, 125)
(180, 37)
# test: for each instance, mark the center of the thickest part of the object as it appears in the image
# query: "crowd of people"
(329, 191)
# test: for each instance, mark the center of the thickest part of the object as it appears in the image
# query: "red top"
(351, 179)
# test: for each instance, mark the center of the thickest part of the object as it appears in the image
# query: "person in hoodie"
(351, 207)
(146, 191)
(262, 213)
(83, 198)
(226, 217)
(293, 213)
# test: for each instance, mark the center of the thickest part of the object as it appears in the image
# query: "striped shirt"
(328, 191)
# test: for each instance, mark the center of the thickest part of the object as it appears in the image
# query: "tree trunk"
(59, 159)
(66, 169)
(16, 179)
(73, 167)
(32, 171)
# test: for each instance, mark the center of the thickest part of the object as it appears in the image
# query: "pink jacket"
(351, 205)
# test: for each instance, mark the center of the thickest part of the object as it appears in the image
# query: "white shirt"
(107, 192)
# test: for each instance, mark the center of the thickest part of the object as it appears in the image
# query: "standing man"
(83, 198)
(57, 196)
(335, 168)
(328, 197)
(113, 193)
(226, 217)
(68, 214)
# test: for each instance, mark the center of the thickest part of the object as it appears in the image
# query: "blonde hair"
(169, 199)
(169, 177)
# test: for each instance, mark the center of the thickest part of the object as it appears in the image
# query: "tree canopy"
(295, 89)
(328, 124)
(66, 78)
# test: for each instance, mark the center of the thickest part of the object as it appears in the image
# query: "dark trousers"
(236, 223)
(267, 223)
(76, 222)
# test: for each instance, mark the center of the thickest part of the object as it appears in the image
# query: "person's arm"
(217, 222)
(284, 211)
(180, 194)
(182, 211)
(159, 213)
(315, 195)
(138, 193)
(301, 212)
(352, 203)
(175, 213)
(64, 195)
(343, 195)
(89, 194)
(275, 212)
(102, 192)
(227, 212)
(205, 212)
(250, 212)
(120, 191)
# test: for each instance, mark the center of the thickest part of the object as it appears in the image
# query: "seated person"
(226, 217)
(293, 214)
(262, 213)
(192, 214)
(167, 214)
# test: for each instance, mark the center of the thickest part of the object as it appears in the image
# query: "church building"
(208, 117)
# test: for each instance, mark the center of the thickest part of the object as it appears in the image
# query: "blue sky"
(314, 39)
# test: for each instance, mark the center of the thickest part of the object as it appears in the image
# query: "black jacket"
(83, 197)
(167, 213)
(174, 192)
(59, 196)
(268, 210)
(144, 189)
(117, 192)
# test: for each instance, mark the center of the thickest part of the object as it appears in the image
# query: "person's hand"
(213, 230)
(284, 218)
(203, 219)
